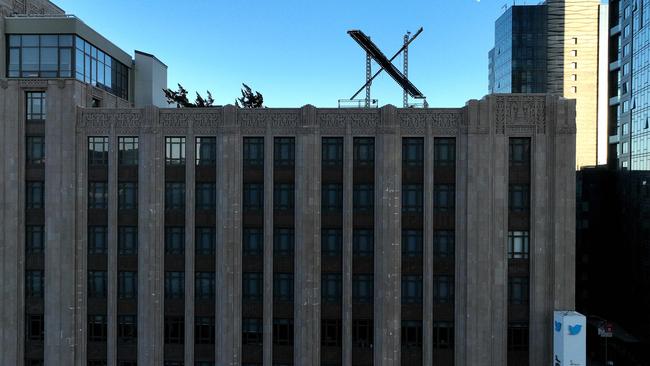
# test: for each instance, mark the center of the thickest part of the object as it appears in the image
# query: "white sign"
(569, 339)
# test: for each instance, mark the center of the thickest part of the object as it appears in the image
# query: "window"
(97, 328)
(96, 363)
(127, 285)
(204, 286)
(127, 194)
(251, 331)
(98, 151)
(34, 239)
(34, 195)
(517, 336)
(205, 241)
(444, 152)
(206, 151)
(331, 333)
(34, 284)
(35, 154)
(331, 242)
(412, 198)
(411, 289)
(443, 243)
(443, 289)
(206, 196)
(331, 288)
(411, 334)
(283, 287)
(362, 289)
(362, 333)
(283, 332)
(283, 151)
(45, 56)
(518, 245)
(174, 330)
(283, 242)
(413, 151)
(253, 151)
(253, 242)
(332, 151)
(363, 198)
(36, 110)
(127, 240)
(252, 287)
(518, 290)
(204, 331)
(283, 196)
(332, 197)
(519, 151)
(35, 324)
(518, 197)
(97, 240)
(128, 150)
(174, 285)
(97, 284)
(411, 243)
(363, 242)
(444, 197)
(99, 69)
(175, 150)
(95, 103)
(98, 195)
(443, 335)
(174, 240)
(253, 197)
(127, 329)
(364, 151)
(174, 196)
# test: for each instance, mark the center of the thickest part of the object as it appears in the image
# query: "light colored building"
(133, 234)
(558, 47)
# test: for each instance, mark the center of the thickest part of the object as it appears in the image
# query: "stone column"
(483, 285)
(111, 296)
(307, 250)
(461, 257)
(12, 218)
(348, 172)
(229, 241)
(267, 298)
(427, 250)
(151, 239)
(388, 181)
(60, 225)
(190, 186)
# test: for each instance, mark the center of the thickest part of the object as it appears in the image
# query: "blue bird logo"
(574, 329)
(558, 326)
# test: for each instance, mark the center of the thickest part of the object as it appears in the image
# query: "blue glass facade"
(518, 59)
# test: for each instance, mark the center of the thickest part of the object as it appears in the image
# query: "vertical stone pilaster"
(151, 238)
(307, 252)
(190, 187)
(60, 225)
(267, 298)
(12, 218)
(111, 306)
(348, 173)
(229, 239)
(427, 251)
(388, 180)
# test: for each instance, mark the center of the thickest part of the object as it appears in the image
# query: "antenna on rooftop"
(374, 53)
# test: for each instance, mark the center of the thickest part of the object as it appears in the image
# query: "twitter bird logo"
(574, 329)
(558, 326)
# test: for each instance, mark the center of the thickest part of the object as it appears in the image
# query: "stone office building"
(135, 235)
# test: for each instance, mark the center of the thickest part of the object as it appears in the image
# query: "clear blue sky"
(297, 51)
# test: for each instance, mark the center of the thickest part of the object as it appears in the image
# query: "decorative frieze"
(518, 114)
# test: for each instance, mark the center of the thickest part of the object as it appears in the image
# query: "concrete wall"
(150, 78)
(482, 129)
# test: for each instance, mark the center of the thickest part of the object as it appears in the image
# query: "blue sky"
(297, 52)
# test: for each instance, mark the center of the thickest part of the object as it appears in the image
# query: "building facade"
(283, 236)
(558, 47)
(629, 129)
